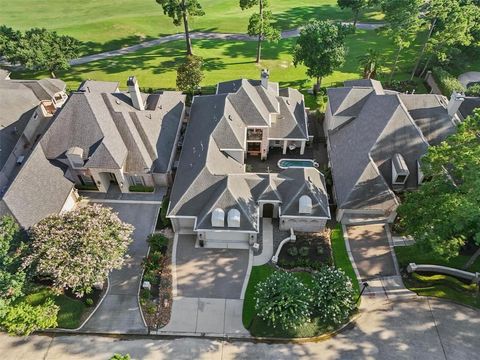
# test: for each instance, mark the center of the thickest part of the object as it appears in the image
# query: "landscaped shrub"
(473, 90)
(320, 250)
(157, 242)
(23, 318)
(141, 188)
(163, 221)
(292, 251)
(283, 300)
(304, 250)
(89, 302)
(120, 357)
(447, 82)
(333, 294)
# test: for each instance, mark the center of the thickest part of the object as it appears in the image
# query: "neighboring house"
(214, 197)
(30, 186)
(104, 136)
(376, 139)
(468, 106)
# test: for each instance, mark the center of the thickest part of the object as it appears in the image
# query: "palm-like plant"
(370, 63)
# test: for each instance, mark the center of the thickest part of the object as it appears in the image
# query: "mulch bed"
(310, 250)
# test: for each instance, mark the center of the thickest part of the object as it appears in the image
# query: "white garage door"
(227, 240)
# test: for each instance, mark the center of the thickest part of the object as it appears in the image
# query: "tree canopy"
(321, 48)
(39, 49)
(260, 24)
(189, 74)
(355, 5)
(443, 215)
(180, 11)
(77, 249)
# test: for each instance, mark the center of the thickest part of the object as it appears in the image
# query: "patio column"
(285, 142)
(302, 148)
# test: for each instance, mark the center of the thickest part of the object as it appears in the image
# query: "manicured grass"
(443, 286)
(340, 256)
(226, 60)
(107, 25)
(70, 312)
(411, 254)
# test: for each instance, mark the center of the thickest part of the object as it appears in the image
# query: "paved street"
(413, 329)
(119, 312)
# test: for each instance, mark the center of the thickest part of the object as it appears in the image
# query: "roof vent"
(218, 218)
(233, 218)
(118, 102)
(305, 205)
(400, 170)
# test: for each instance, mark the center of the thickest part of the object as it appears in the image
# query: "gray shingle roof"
(469, 105)
(38, 190)
(19, 99)
(383, 124)
(207, 178)
(113, 133)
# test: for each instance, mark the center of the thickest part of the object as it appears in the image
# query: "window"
(233, 218)
(305, 205)
(218, 217)
(86, 180)
(401, 179)
(137, 180)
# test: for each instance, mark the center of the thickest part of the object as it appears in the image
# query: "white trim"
(174, 265)
(288, 139)
(269, 201)
(228, 229)
(304, 217)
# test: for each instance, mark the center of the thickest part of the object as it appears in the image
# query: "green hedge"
(86, 187)
(447, 82)
(141, 188)
(162, 220)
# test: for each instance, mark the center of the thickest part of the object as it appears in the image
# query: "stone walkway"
(267, 246)
(198, 35)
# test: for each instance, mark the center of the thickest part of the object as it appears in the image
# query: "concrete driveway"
(209, 273)
(119, 311)
(371, 251)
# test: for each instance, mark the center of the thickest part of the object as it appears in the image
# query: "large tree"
(370, 63)
(41, 50)
(401, 24)
(181, 11)
(189, 74)
(443, 215)
(261, 23)
(450, 23)
(321, 48)
(355, 5)
(77, 249)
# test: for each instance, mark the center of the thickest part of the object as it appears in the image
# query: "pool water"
(287, 163)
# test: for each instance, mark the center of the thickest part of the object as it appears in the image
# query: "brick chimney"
(454, 104)
(264, 75)
(135, 94)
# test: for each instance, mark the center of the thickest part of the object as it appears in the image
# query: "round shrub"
(304, 250)
(292, 251)
(283, 300)
(334, 297)
(89, 301)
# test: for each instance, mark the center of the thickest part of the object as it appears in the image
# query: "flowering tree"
(333, 295)
(78, 249)
(283, 300)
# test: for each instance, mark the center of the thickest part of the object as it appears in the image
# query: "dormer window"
(218, 218)
(305, 205)
(400, 170)
(75, 157)
(233, 218)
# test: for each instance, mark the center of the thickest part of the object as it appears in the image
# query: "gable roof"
(38, 190)
(112, 133)
(385, 123)
(208, 177)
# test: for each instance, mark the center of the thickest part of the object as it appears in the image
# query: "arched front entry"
(268, 210)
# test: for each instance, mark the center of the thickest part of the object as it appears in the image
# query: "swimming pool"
(296, 163)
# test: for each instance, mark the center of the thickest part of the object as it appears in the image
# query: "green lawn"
(340, 256)
(106, 24)
(411, 254)
(226, 60)
(70, 312)
(443, 286)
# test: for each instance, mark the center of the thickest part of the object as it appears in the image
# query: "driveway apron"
(119, 312)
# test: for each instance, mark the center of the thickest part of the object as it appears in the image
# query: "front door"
(268, 210)
(113, 178)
